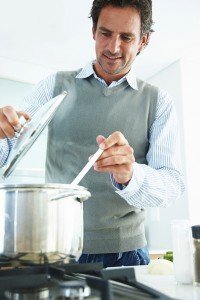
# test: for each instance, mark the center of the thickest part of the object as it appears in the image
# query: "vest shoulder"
(144, 85)
(68, 74)
(64, 79)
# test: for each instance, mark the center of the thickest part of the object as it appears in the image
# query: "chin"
(114, 72)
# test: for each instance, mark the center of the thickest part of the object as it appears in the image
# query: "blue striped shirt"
(157, 184)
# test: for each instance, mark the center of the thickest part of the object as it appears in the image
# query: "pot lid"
(30, 131)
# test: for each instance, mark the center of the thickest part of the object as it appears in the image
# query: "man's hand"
(117, 157)
(9, 121)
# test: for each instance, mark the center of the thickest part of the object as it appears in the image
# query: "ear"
(93, 32)
(144, 41)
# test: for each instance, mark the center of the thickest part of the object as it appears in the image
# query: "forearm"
(150, 187)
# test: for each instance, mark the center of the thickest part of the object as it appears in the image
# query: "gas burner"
(74, 289)
(4, 261)
(44, 258)
(26, 294)
(73, 281)
(34, 259)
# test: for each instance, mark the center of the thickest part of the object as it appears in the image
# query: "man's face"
(118, 41)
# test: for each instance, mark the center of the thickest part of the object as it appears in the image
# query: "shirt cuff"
(134, 184)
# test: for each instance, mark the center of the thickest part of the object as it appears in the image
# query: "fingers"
(122, 173)
(9, 119)
(100, 139)
(24, 114)
(6, 129)
(117, 157)
(116, 138)
(11, 115)
(114, 163)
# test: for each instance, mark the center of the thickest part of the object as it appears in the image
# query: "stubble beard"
(110, 72)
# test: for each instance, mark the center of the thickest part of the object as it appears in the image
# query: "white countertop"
(167, 285)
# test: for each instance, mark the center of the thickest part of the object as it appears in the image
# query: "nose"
(114, 45)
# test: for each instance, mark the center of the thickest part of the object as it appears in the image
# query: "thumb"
(24, 114)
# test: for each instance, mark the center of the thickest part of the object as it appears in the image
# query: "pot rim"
(43, 186)
(55, 191)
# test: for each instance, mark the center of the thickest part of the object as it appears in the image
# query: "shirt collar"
(88, 70)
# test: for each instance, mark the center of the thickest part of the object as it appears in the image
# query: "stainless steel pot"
(35, 228)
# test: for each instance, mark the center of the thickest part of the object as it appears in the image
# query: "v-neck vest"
(90, 109)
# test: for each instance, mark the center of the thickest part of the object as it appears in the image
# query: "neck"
(108, 78)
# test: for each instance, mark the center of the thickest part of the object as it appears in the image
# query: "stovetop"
(73, 281)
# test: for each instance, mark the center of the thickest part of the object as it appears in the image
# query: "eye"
(126, 38)
(105, 33)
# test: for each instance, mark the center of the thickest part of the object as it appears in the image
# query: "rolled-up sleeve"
(161, 181)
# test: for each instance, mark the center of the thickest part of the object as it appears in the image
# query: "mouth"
(112, 58)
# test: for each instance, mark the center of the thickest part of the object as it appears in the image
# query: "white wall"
(191, 111)
(12, 92)
(158, 219)
(38, 37)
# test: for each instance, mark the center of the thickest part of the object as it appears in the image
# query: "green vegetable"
(168, 255)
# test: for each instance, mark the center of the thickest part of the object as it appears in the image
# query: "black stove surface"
(73, 281)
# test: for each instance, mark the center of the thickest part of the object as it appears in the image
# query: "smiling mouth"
(112, 57)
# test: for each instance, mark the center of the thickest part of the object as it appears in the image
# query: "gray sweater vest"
(110, 223)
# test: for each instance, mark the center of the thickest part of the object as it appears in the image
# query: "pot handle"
(79, 195)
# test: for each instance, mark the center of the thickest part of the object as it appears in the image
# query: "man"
(132, 121)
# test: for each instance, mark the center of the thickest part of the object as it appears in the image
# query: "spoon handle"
(87, 167)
